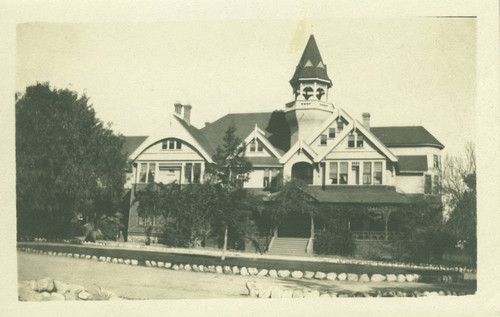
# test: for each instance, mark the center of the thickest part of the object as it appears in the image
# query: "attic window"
(350, 142)
(307, 92)
(359, 140)
(252, 145)
(323, 139)
(260, 146)
(331, 133)
(320, 92)
(340, 125)
(171, 145)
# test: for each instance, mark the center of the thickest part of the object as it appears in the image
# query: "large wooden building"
(343, 160)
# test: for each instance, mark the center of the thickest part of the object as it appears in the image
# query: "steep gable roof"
(273, 124)
(311, 65)
(197, 135)
(131, 143)
(406, 136)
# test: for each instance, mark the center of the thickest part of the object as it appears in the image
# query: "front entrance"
(295, 226)
(303, 171)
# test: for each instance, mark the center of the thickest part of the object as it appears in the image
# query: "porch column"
(312, 226)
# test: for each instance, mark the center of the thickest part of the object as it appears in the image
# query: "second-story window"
(260, 146)
(196, 173)
(377, 173)
(252, 145)
(151, 173)
(323, 139)
(367, 173)
(143, 172)
(343, 173)
(436, 161)
(187, 173)
(333, 173)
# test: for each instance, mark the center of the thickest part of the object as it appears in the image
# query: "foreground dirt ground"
(136, 282)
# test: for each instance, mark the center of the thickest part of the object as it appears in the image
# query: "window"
(171, 145)
(333, 173)
(355, 171)
(350, 141)
(331, 133)
(359, 140)
(367, 173)
(307, 92)
(320, 92)
(151, 174)
(187, 172)
(274, 177)
(266, 178)
(143, 172)
(340, 125)
(196, 173)
(436, 189)
(377, 175)
(252, 145)
(343, 172)
(436, 161)
(141, 221)
(260, 146)
(428, 184)
(323, 139)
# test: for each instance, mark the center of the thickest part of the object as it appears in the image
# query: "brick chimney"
(178, 108)
(187, 113)
(366, 120)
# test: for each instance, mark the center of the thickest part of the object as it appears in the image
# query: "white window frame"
(349, 172)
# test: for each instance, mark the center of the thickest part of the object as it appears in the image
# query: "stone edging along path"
(244, 271)
(133, 246)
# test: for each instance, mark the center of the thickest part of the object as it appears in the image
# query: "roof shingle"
(405, 136)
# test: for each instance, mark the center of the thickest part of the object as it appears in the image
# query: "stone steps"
(289, 246)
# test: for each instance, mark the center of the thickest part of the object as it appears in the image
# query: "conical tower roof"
(311, 65)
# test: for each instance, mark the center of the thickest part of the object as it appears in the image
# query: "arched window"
(320, 92)
(307, 92)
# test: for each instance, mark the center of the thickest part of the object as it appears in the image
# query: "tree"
(68, 163)
(459, 191)
(230, 170)
(291, 198)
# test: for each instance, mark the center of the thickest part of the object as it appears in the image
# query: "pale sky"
(407, 71)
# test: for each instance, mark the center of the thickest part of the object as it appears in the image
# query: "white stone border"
(251, 271)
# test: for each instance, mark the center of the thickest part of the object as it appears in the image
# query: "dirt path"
(156, 283)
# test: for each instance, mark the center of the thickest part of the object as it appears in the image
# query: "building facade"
(343, 160)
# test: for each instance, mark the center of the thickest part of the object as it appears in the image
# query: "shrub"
(425, 245)
(334, 242)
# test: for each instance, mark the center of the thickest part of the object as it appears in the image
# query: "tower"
(310, 84)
